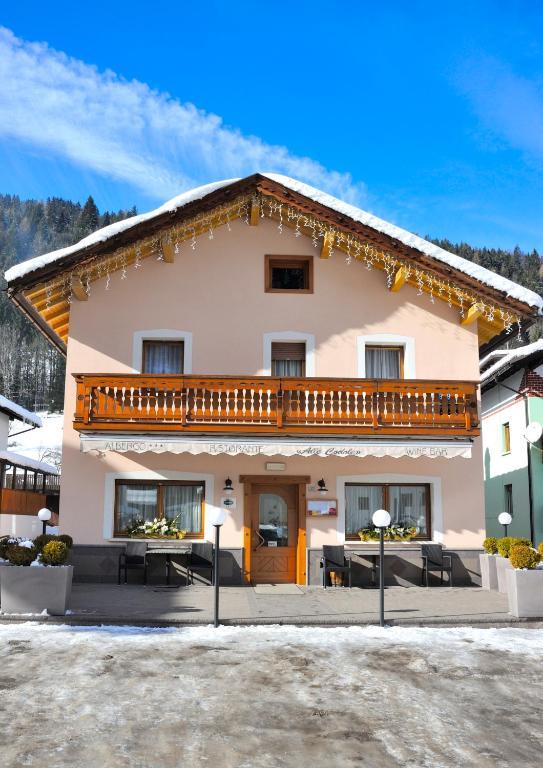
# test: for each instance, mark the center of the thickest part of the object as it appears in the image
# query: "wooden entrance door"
(274, 533)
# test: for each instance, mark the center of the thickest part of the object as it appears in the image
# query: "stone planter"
(489, 574)
(525, 592)
(502, 566)
(34, 589)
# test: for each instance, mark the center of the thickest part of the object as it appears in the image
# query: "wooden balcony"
(137, 403)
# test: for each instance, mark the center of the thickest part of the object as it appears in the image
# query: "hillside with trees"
(32, 372)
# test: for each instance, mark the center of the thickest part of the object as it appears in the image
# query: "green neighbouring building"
(512, 398)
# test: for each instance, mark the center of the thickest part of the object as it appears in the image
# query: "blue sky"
(427, 114)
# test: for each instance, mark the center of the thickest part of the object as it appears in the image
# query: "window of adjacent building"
(384, 362)
(508, 499)
(506, 438)
(288, 358)
(286, 274)
(163, 357)
(407, 504)
(143, 500)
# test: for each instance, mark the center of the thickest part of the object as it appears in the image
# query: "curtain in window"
(382, 363)
(361, 501)
(288, 368)
(407, 505)
(160, 357)
(184, 502)
(135, 502)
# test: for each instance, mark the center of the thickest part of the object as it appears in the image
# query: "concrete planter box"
(525, 593)
(489, 573)
(30, 589)
(502, 566)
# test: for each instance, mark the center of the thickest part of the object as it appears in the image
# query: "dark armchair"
(133, 557)
(434, 561)
(333, 560)
(200, 558)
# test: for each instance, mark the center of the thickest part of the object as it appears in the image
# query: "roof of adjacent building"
(501, 361)
(16, 411)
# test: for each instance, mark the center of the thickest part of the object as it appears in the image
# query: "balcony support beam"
(168, 252)
(255, 213)
(78, 289)
(327, 245)
(473, 313)
(400, 276)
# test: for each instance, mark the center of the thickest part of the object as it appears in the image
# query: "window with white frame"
(163, 357)
(408, 505)
(384, 362)
(288, 358)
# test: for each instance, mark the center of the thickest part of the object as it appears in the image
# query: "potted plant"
(163, 528)
(489, 575)
(45, 588)
(525, 582)
(394, 532)
(502, 561)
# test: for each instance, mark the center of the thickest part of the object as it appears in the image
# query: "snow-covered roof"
(484, 276)
(24, 461)
(18, 412)
(509, 356)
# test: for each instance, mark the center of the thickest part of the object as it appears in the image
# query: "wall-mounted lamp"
(322, 486)
(228, 487)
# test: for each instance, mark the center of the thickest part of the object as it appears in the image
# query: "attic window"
(289, 274)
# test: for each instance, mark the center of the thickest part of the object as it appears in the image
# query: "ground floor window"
(408, 504)
(143, 500)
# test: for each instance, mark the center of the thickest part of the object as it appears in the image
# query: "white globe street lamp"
(505, 519)
(381, 520)
(44, 515)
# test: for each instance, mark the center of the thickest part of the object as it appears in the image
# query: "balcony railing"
(268, 405)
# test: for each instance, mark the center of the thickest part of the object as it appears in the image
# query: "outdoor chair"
(200, 558)
(133, 557)
(333, 560)
(434, 561)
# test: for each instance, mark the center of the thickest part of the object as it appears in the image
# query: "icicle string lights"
(299, 223)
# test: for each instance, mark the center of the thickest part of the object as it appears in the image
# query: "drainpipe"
(528, 455)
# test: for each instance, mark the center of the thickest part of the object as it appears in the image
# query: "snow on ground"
(266, 697)
(43, 444)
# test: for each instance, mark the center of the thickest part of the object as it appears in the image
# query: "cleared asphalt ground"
(257, 697)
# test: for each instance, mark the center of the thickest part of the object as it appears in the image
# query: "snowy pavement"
(268, 697)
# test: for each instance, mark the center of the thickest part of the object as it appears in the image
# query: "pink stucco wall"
(217, 293)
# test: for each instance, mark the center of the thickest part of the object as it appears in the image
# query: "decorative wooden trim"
(399, 279)
(304, 262)
(254, 215)
(168, 251)
(78, 289)
(327, 245)
(275, 479)
(301, 549)
(473, 313)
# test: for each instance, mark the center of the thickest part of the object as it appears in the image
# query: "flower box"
(489, 573)
(502, 566)
(525, 592)
(180, 535)
(25, 589)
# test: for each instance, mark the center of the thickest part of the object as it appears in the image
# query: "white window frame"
(295, 336)
(159, 474)
(436, 505)
(163, 334)
(387, 340)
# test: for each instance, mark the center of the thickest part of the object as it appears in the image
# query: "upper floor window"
(506, 438)
(384, 362)
(286, 274)
(163, 357)
(288, 358)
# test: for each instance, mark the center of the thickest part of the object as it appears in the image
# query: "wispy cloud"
(128, 132)
(508, 106)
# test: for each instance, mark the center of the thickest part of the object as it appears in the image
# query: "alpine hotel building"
(261, 333)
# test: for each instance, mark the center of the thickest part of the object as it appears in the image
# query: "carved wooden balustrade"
(268, 405)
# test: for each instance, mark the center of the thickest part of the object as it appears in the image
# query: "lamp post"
(44, 515)
(505, 519)
(381, 520)
(218, 520)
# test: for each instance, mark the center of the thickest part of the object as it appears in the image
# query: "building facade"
(262, 333)
(512, 398)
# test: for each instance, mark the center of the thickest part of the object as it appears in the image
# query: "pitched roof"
(15, 411)
(482, 275)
